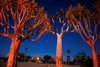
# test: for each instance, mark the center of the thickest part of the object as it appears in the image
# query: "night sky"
(46, 45)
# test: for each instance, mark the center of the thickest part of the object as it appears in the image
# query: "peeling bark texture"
(12, 60)
(94, 57)
(59, 52)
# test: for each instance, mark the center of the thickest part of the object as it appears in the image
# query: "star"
(70, 38)
(49, 0)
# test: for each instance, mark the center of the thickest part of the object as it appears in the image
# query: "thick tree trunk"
(94, 57)
(59, 52)
(12, 60)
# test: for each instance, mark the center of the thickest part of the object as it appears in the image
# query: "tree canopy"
(47, 57)
(23, 17)
(81, 56)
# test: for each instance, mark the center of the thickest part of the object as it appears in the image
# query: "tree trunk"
(59, 52)
(13, 54)
(94, 57)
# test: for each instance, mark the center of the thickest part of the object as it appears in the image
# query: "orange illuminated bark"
(94, 56)
(77, 16)
(91, 43)
(59, 51)
(26, 18)
(62, 21)
(13, 54)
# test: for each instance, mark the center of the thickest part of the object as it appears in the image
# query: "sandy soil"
(32, 64)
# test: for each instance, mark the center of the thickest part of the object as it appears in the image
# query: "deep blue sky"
(47, 43)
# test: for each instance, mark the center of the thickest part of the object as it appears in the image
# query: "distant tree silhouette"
(26, 19)
(81, 57)
(68, 56)
(28, 57)
(21, 55)
(87, 24)
(65, 27)
(68, 51)
(47, 57)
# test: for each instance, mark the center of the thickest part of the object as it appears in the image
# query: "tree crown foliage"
(47, 57)
(68, 51)
(85, 21)
(81, 56)
(27, 19)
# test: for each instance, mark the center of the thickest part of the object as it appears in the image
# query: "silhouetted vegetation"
(47, 57)
(80, 56)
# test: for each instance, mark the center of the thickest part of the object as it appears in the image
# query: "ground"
(32, 64)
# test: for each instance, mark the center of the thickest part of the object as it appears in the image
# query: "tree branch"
(97, 38)
(35, 26)
(54, 25)
(83, 38)
(61, 24)
(6, 35)
(53, 33)
(78, 31)
(4, 18)
(13, 16)
(42, 32)
(23, 15)
(64, 24)
(67, 30)
(86, 26)
(81, 28)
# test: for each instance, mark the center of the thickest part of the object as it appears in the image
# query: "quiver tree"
(64, 26)
(87, 24)
(26, 19)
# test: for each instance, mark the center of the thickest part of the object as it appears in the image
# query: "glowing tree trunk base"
(94, 57)
(59, 52)
(12, 60)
